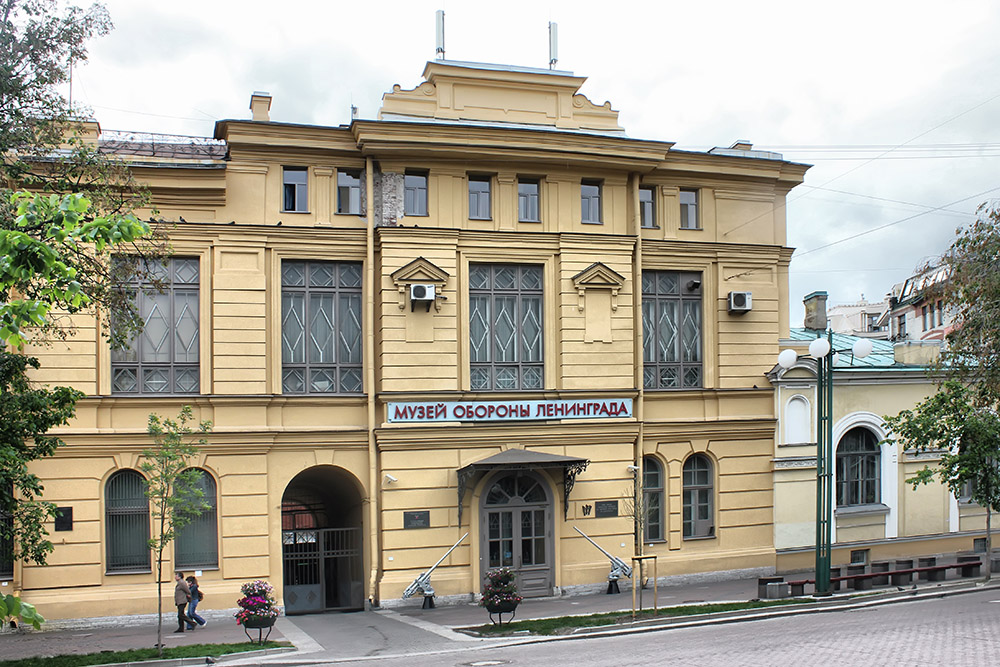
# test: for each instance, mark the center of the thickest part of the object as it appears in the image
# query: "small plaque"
(64, 518)
(605, 508)
(421, 519)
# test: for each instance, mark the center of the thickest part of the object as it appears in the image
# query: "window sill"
(118, 573)
(304, 212)
(359, 214)
(531, 221)
(691, 229)
(592, 222)
(481, 219)
(862, 510)
(416, 215)
(695, 538)
(649, 227)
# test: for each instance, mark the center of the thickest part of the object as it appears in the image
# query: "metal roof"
(882, 355)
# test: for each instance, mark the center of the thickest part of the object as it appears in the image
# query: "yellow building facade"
(488, 312)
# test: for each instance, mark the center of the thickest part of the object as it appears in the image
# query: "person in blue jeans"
(193, 604)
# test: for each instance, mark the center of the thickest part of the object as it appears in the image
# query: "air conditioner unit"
(422, 292)
(740, 302)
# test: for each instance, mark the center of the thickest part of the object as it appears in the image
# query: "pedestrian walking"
(196, 597)
(182, 595)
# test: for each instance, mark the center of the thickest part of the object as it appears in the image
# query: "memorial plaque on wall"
(421, 519)
(605, 508)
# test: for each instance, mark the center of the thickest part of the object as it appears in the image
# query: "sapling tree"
(172, 487)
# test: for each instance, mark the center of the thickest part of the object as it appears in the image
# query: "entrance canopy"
(523, 459)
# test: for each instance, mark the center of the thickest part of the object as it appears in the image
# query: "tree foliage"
(972, 295)
(172, 486)
(27, 413)
(965, 436)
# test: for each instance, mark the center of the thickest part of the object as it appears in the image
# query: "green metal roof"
(882, 355)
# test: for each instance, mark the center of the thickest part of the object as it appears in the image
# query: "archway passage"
(321, 542)
(516, 530)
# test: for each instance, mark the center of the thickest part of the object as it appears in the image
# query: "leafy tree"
(172, 487)
(972, 295)
(967, 437)
(26, 415)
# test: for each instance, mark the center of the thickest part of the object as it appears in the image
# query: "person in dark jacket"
(193, 604)
(182, 595)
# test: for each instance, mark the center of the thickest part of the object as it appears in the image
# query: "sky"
(895, 103)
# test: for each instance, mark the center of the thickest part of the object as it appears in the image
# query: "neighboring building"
(476, 314)
(877, 515)
(916, 310)
(860, 319)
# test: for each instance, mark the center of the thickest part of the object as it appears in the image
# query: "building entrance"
(321, 542)
(516, 530)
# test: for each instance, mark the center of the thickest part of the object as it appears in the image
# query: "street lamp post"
(821, 349)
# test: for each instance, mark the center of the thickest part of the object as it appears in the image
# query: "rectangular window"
(415, 194)
(349, 192)
(296, 191)
(901, 326)
(647, 209)
(671, 326)
(923, 314)
(320, 327)
(505, 327)
(689, 209)
(590, 202)
(479, 198)
(527, 200)
(940, 314)
(163, 358)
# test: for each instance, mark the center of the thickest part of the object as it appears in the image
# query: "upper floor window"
(197, 544)
(349, 192)
(923, 315)
(858, 468)
(901, 326)
(652, 499)
(163, 358)
(689, 209)
(6, 537)
(479, 197)
(296, 189)
(320, 327)
(699, 515)
(505, 327)
(590, 201)
(415, 194)
(126, 517)
(940, 314)
(647, 209)
(527, 200)
(671, 329)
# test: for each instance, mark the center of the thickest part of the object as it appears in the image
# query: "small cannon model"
(422, 584)
(619, 568)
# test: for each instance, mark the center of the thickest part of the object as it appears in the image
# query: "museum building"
(487, 318)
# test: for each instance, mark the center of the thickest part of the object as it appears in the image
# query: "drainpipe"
(374, 494)
(637, 355)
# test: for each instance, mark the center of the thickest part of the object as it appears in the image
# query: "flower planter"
(505, 607)
(258, 624)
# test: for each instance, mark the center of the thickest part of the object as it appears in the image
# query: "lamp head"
(819, 348)
(862, 348)
(787, 358)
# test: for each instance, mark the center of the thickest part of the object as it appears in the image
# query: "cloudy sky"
(896, 103)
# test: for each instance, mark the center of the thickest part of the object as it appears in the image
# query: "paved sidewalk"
(407, 630)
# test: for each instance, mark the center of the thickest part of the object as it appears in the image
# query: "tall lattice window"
(671, 329)
(6, 537)
(505, 327)
(163, 358)
(320, 327)
(126, 517)
(652, 498)
(858, 464)
(699, 517)
(197, 544)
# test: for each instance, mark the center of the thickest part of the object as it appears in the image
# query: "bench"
(967, 566)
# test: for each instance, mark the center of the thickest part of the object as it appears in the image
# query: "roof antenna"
(553, 44)
(439, 25)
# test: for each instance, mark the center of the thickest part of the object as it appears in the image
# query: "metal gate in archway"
(322, 570)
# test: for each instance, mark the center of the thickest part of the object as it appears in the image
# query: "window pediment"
(419, 270)
(598, 276)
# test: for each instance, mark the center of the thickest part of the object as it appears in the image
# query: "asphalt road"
(958, 630)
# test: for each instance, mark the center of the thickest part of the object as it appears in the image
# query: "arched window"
(858, 468)
(652, 498)
(699, 517)
(127, 522)
(197, 543)
(797, 421)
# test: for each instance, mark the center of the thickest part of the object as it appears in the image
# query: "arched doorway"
(516, 530)
(321, 540)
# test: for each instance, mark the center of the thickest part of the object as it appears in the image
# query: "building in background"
(861, 319)
(488, 312)
(917, 311)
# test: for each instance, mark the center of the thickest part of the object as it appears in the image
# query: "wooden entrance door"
(516, 531)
